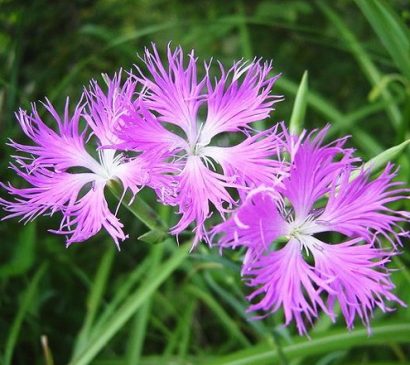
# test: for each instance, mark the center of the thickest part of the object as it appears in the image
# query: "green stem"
(143, 212)
(281, 355)
(129, 308)
(333, 341)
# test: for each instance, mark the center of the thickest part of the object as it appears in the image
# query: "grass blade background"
(26, 300)
(356, 54)
(393, 33)
(265, 354)
(133, 303)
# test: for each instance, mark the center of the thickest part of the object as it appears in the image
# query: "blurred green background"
(152, 304)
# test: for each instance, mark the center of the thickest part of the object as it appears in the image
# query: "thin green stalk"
(121, 294)
(281, 354)
(48, 356)
(95, 298)
(26, 301)
(226, 320)
(365, 62)
(331, 341)
(128, 309)
(239, 306)
(143, 212)
(178, 335)
(299, 106)
(246, 43)
(186, 329)
(137, 337)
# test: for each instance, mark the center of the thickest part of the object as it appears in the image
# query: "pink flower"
(65, 169)
(289, 266)
(183, 118)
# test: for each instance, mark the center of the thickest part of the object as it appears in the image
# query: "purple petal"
(284, 280)
(255, 161)
(175, 92)
(313, 171)
(241, 96)
(359, 280)
(198, 187)
(359, 206)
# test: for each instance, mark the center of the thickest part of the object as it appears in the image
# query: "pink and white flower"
(288, 266)
(67, 171)
(183, 118)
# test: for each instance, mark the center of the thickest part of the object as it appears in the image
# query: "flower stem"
(281, 355)
(144, 213)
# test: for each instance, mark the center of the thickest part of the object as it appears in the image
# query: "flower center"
(197, 149)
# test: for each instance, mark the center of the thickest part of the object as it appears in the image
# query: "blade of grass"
(226, 320)
(299, 106)
(182, 328)
(186, 330)
(121, 294)
(118, 41)
(402, 268)
(94, 298)
(26, 301)
(362, 58)
(318, 103)
(238, 306)
(331, 341)
(379, 161)
(137, 337)
(128, 309)
(245, 38)
(23, 254)
(391, 30)
(361, 113)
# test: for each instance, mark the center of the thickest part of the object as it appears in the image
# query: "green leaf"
(267, 354)
(128, 309)
(391, 30)
(384, 157)
(299, 106)
(142, 211)
(26, 302)
(24, 253)
(95, 297)
(362, 58)
(153, 237)
(136, 340)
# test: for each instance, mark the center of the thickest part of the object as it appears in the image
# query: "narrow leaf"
(128, 309)
(383, 158)
(140, 209)
(391, 30)
(26, 302)
(330, 341)
(365, 62)
(299, 106)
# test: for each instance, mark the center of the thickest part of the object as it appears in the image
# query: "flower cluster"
(311, 222)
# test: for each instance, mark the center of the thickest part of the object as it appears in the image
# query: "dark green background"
(357, 55)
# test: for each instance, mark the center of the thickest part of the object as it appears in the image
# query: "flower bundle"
(194, 140)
